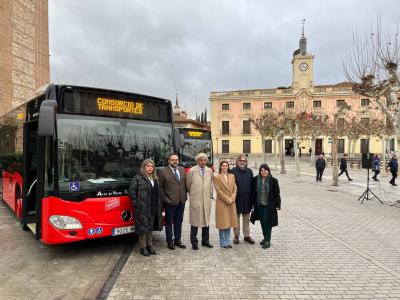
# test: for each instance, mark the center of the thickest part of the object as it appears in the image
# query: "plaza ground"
(327, 246)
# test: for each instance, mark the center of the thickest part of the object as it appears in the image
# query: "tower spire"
(302, 30)
(177, 108)
(303, 40)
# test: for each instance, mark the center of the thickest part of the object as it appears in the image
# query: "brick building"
(24, 50)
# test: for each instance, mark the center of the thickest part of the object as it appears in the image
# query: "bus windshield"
(100, 152)
(193, 147)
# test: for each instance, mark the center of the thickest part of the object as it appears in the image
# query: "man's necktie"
(202, 172)
(176, 174)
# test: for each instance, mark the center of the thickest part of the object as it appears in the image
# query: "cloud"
(195, 47)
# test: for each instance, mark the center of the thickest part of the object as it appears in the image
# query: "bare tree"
(371, 65)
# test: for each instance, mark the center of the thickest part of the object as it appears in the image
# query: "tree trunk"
(349, 147)
(353, 147)
(283, 170)
(264, 159)
(296, 152)
(312, 156)
(384, 144)
(275, 152)
(334, 161)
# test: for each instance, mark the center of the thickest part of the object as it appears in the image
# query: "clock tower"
(302, 66)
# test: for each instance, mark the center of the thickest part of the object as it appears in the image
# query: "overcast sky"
(195, 47)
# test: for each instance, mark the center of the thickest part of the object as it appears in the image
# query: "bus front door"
(30, 178)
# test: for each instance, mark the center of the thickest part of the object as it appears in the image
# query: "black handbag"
(253, 216)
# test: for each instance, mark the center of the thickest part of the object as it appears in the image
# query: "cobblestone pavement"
(31, 270)
(327, 246)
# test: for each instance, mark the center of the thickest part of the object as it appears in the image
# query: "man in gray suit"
(172, 180)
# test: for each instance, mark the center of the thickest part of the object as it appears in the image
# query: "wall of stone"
(24, 50)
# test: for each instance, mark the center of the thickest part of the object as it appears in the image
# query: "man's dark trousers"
(174, 216)
(393, 180)
(205, 235)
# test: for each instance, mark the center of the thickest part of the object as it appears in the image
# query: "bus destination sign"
(195, 134)
(115, 105)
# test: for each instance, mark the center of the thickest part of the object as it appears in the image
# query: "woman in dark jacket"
(266, 200)
(146, 201)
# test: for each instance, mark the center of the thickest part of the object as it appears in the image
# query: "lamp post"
(217, 144)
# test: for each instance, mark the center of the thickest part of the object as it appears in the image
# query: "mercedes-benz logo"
(126, 215)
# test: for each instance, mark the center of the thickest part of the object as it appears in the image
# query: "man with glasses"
(172, 181)
(244, 179)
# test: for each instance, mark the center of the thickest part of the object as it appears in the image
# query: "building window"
(246, 146)
(290, 104)
(225, 146)
(316, 103)
(225, 127)
(268, 146)
(340, 122)
(364, 102)
(364, 145)
(247, 105)
(267, 105)
(246, 127)
(340, 146)
(225, 106)
(340, 103)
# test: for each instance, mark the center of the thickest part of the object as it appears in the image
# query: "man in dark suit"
(172, 181)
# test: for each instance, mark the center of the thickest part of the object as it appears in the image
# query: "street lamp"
(282, 133)
(217, 144)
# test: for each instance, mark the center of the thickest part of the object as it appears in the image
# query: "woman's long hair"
(144, 164)
(265, 167)
(220, 164)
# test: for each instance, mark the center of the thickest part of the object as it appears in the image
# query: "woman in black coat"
(266, 201)
(146, 201)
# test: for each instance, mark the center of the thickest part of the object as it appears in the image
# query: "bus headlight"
(65, 222)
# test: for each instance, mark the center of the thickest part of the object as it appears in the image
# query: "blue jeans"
(224, 237)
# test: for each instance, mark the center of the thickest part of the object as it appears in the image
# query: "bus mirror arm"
(47, 118)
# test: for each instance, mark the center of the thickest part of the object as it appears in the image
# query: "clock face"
(303, 66)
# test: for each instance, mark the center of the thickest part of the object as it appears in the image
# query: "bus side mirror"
(47, 118)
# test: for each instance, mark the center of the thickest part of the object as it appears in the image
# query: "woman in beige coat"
(225, 207)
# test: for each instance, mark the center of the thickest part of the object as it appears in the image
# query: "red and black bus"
(195, 141)
(68, 155)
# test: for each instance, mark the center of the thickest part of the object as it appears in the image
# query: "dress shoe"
(171, 246)
(195, 247)
(249, 240)
(151, 250)
(207, 244)
(236, 240)
(262, 242)
(229, 246)
(179, 244)
(266, 245)
(144, 252)
(350, 179)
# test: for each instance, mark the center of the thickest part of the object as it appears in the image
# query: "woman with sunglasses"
(266, 201)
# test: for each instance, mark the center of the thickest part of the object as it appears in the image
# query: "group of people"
(320, 165)
(239, 197)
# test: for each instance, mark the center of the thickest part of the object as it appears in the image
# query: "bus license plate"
(123, 230)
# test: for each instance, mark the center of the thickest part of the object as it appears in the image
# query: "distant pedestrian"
(376, 167)
(200, 189)
(173, 189)
(243, 179)
(394, 166)
(225, 207)
(320, 167)
(299, 152)
(146, 202)
(310, 151)
(291, 150)
(266, 200)
(343, 166)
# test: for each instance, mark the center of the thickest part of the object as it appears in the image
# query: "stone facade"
(24, 50)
